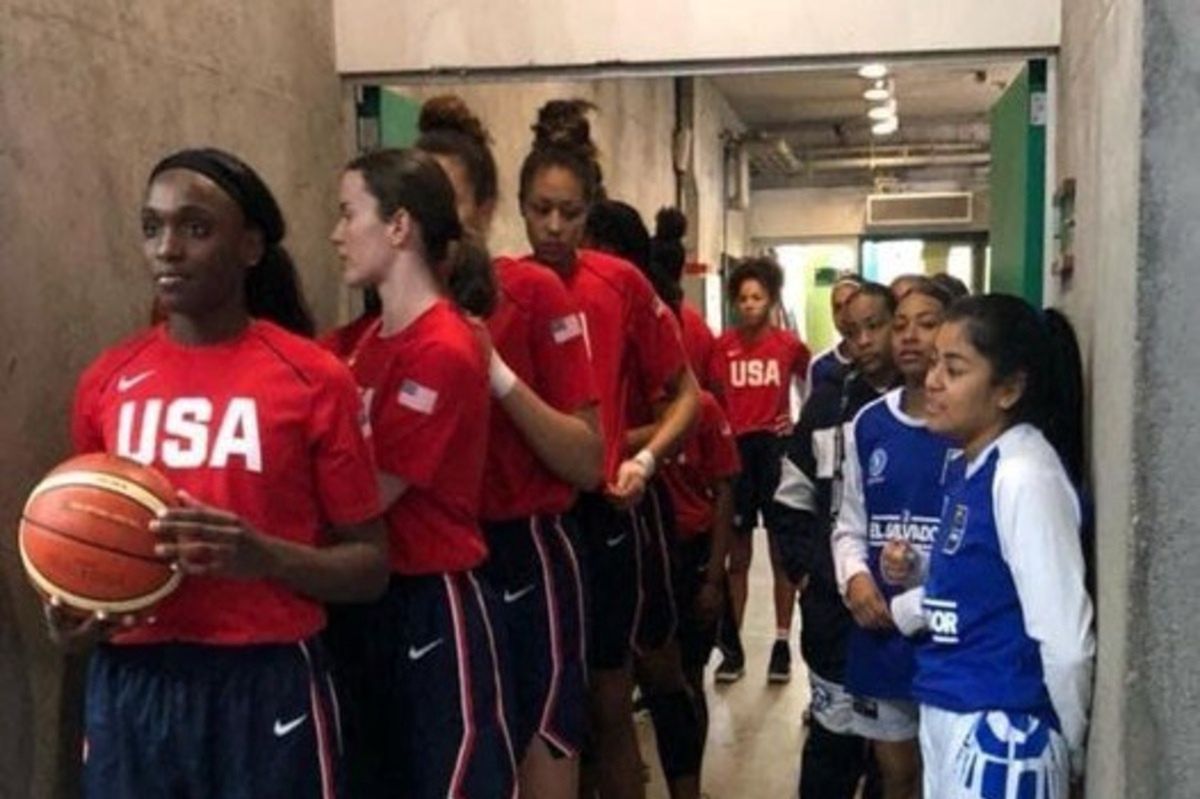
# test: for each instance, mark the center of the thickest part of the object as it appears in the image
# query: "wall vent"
(926, 208)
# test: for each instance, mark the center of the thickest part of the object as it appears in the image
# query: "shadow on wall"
(16, 707)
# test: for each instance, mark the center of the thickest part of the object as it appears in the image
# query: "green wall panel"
(1018, 185)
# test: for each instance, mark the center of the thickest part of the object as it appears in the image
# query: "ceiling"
(811, 128)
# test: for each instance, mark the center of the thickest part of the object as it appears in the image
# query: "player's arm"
(682, 402)
(1038, 521)
(850, 547)
(569, 444)
(204, 540)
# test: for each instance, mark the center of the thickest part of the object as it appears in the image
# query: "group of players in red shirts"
(432, 554)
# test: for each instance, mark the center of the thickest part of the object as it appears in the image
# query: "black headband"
(238, 180)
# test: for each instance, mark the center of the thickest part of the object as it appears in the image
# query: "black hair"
(617, 228)
(911, 277)
(869, 288)
(760, 268)
(1016, 338)
(934, 290)
(562, 137)
(666, 248)
(448, 128)
(271, 287)
(410, 179)
(955, 287)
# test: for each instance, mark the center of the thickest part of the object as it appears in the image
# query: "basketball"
(85, 538)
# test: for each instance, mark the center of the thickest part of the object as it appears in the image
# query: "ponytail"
(469, 278)
(273, 292)
(1063, 425)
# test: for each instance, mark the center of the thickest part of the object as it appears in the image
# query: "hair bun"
(670, 225)
(563, 124)
(448, 112)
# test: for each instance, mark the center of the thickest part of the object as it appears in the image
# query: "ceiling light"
(873, 71)
(880, 90)
(883, 111)
(886, 128)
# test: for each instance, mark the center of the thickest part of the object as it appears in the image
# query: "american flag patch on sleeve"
(417, 397)
(566, 328)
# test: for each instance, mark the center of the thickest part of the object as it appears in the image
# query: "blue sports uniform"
(1004, 676)
(893, 489)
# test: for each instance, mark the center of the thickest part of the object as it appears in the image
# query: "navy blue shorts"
(656, 616)
(423, 698)
(191, 720)
(755, 486)
(696, 636)
(534, 569)
(609, 546)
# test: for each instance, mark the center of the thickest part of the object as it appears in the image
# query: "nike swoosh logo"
(616, 541)
(282, 729)
(512, 596)
(126, 383)
(417, 654)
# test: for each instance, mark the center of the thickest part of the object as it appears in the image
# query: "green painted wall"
(1018, 187)
(397, 119)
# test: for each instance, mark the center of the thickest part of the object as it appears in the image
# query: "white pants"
(992, 755)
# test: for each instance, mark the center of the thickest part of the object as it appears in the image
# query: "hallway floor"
(754, 729)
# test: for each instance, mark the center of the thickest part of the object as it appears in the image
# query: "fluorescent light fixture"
(886, 127)
(880, 91)
(873, 71)
(883, 111)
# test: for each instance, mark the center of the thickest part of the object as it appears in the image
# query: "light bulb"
(880, 91)
(873, 71)
(883, 111)
(886, 128)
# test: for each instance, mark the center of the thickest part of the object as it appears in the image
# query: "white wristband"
(502, 378)
(645, 459)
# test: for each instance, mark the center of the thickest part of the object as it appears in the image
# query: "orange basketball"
(85, 535)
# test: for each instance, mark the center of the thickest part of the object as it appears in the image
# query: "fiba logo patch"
(958, 528)
(878, 464)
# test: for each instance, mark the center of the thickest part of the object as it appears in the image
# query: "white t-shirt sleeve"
(851, 547)
(1038, 524)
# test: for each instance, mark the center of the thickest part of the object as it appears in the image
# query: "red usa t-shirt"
(754, 377)
(537, 330)
(698, 340)
(341, 341)
(632, 337)
(709, 454)
(266, 425)
(425, 390)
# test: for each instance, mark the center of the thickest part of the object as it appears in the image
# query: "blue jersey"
(828, 367)
(1010, 623)
(894, 487)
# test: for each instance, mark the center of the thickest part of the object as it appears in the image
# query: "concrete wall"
(91, 94)
(831, 213)
(632, 128)
(1162, 725)
(379, 36)
(719, 228)
(1100, 105)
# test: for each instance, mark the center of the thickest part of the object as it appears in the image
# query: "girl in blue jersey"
(1004, 674)
(892, 490)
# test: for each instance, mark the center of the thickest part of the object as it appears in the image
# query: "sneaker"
(780, 670)
(731, 669)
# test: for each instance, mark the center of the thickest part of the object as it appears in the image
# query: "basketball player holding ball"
(226, 693)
